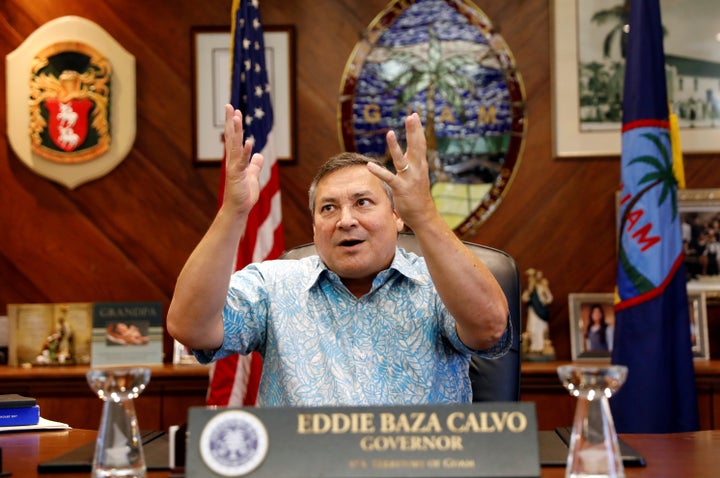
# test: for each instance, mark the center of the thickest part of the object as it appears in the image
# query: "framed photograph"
(49, 334)
(125, 333)
(182, 355)
(4, 339)
(589, 69)
(700, 216)
(698, 325)
(592, 323)
(211, 85)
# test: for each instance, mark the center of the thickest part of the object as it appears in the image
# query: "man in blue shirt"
(362, 323)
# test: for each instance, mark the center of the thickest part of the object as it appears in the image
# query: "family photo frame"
(592, 326)
(211, 89)
(586, 343)
(699, 211)
(699, 325)
(588, 74)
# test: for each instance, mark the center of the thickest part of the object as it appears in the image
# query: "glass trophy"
(118, 449)
(594, 450)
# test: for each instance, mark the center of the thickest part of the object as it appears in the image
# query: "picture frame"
(703, 205)
(580, 306)
(211, 83)
(182, 355)
(699, 325)
(574, 35)
(699, 211)
(49, 334)
(127, 333)
(4, 339)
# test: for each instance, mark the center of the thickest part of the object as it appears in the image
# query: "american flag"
(234, 380)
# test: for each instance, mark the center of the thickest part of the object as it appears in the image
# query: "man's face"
(354, 226)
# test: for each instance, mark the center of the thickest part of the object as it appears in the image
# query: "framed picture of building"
(589, 68)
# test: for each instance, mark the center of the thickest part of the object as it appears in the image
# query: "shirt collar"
(405, 263)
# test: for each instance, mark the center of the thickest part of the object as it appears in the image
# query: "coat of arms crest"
(69, 103)
(70, 106)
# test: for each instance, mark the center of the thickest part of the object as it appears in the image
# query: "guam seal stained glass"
(443, 59)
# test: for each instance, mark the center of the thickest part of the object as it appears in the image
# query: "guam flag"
(652, 323)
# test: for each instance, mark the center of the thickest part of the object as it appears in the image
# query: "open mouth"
(350, 242)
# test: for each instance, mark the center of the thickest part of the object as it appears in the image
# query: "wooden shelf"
(63, 394)
(555, 407)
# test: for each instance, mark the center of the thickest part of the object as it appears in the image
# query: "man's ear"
(399, 224)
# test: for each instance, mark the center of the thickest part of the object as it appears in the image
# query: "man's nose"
(347, 218)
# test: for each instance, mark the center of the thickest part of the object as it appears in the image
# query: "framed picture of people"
(698, 325)
(592, 323)
(700, 218)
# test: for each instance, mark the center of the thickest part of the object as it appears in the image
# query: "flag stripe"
(266, 232)
(653, 293)
(646, 123)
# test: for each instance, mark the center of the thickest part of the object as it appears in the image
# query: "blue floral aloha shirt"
(322, 346)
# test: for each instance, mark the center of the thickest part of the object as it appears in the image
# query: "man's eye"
(363, 202)
(327, 208)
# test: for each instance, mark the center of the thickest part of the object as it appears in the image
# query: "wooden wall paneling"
(126, 236)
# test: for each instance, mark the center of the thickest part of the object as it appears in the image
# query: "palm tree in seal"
(434, 74)
(662, 175)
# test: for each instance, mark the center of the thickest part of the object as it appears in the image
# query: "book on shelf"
(17, 416)
(126, 333)
(14, 400)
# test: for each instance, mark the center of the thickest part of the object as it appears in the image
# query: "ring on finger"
(402, 170)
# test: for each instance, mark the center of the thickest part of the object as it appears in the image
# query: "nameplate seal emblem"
(233, 443)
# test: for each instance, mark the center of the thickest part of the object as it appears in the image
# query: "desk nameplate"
(469, 440)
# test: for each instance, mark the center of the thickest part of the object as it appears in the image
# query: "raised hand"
(411, 183)
(242, 168)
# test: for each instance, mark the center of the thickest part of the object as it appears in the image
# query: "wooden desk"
(694, 455)
(23, 451)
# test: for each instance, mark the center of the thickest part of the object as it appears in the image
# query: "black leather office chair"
(492, 380)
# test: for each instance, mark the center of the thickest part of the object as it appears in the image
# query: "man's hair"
(342, 161)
